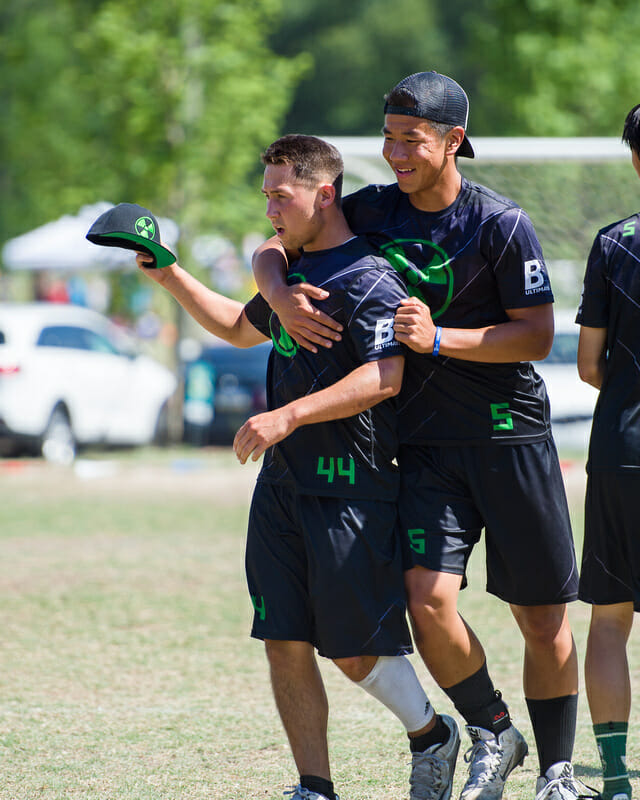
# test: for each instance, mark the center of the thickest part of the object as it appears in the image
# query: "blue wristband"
(436, 341)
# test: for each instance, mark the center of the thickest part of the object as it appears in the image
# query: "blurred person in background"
(609, 359)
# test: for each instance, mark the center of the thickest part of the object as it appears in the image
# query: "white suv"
(67, 380)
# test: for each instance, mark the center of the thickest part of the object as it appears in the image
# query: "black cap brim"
(130, 241)
(465, 150)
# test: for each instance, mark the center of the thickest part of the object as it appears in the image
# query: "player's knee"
(542, 626)
(284, 655)
(356, 668)
(430, 602)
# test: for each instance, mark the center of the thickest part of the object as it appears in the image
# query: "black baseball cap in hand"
(134, 228)
(433, 97)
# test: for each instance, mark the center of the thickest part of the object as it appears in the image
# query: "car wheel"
(58, 444)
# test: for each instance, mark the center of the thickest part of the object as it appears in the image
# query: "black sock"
(320, 785)
(554, 728)
(479, 703)
(439, 734)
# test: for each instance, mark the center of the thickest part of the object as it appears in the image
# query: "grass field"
(126, 669)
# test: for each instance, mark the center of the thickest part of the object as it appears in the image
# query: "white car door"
(82, 369)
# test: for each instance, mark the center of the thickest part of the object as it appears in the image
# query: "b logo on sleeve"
(534, 277)
(384, 333)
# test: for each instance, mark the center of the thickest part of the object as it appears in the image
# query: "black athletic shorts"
(610, 570)
(515, 492)
(328, 571)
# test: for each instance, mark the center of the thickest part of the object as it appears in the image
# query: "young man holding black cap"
(477, 448)
(323, 557)
(608, 358)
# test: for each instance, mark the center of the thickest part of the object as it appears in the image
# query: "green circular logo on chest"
(282, 342)
(434, 281)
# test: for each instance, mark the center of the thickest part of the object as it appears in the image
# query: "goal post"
(570, 187)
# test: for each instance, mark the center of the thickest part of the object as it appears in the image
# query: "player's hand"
(261, 432)
(413, 325)
(145, 262)
(305, 323)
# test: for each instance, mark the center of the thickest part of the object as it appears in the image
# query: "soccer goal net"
(569, 187)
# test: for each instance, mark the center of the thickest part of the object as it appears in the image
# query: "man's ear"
(454, 140)
(326, 194)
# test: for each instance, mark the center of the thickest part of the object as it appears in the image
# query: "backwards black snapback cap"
(434, 97)
(134, 228)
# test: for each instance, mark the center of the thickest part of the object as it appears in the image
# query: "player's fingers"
(315, 314)
(316, 332)
(314, 292)
(308, 339)
(411, 301)
(144, 260)
(239, 444)
(405, 316)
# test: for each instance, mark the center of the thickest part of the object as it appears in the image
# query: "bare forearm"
(526, 336)
(269, 265)
(592, 355)
(505, 343)
(294, 305)
(363, 388)
(218, 314)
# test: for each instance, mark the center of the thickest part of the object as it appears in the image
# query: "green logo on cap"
(145, 227)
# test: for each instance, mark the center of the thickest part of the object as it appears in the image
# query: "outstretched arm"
(592, 352)
(218, 314)
(293, 304)
(527, 336)
(362, 388)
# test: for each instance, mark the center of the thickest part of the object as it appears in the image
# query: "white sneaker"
(300, 793)
(559, 783)
(432, 771)
(491, 758)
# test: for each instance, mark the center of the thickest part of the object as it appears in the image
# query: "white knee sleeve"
(394, 683)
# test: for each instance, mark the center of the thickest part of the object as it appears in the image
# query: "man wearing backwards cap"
(481, 309)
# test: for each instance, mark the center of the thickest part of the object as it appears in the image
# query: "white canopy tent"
(61, 245)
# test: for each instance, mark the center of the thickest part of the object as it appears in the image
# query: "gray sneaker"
(491, 758)
(300, 793)
(559, 783)
(432, 771)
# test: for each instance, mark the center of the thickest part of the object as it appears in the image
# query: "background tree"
(164, 104)
(535, 67)
(359, 51)
(543, 68)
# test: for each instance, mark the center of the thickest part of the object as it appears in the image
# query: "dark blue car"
(223, 387)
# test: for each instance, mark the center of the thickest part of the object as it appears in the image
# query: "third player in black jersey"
(609, 359)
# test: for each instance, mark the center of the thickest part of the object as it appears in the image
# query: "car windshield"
(76, 338)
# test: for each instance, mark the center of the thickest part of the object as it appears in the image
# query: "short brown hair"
(631, 131)
(313, 160)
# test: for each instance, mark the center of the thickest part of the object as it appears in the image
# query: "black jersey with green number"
(350, 457)
(469, 263)
(611, 300)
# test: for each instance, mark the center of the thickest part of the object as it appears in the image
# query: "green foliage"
(545, 68)
(536, 67)
(164, 104)
(359, 50)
